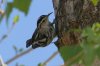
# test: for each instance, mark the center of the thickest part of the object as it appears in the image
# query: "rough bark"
(67, 19)
(71, 15)
(74, 14)
(55, 5)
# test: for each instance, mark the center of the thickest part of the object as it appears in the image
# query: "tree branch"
(18, 55)
(8, 32)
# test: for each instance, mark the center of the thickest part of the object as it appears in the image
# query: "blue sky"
(23, 31)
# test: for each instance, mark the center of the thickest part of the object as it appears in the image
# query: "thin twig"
(8, 32)
(18, 55)
(50, 58)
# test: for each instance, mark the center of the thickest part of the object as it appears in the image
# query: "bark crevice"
(74, 14)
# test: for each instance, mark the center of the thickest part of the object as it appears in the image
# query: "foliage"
(95, 2)
(87, 50)
(21, 5)
(68, 53)
(16, 18)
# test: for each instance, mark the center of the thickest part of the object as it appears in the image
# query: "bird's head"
(43, 19)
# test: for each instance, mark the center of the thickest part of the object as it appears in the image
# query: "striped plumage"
(43, 34)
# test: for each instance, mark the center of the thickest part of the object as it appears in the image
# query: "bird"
(43, 34)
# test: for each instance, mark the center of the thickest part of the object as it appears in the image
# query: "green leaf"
(16, 19)
(98, 51)
(95, 2)
(90, 36)
(89, 54)
(9, 9)
(22, 5)
(87, 32)
(70, 52)
(96, 28)
(90, 44)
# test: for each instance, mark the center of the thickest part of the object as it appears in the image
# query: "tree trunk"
(74, 14)
(71, 15)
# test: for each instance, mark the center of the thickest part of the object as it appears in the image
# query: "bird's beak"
(49, 14)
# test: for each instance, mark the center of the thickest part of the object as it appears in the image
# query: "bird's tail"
(28, 43)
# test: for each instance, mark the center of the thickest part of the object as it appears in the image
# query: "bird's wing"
(34, 37)
(35, 34)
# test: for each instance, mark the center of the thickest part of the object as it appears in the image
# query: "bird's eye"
(43, 20)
